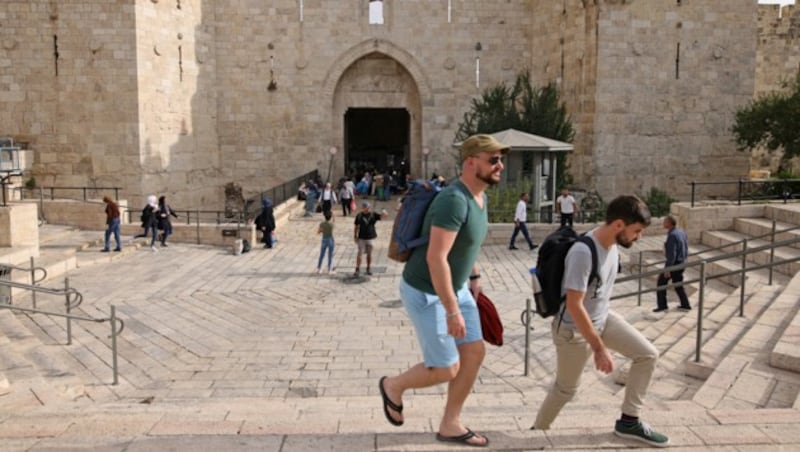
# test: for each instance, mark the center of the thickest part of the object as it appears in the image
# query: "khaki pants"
(573, 351)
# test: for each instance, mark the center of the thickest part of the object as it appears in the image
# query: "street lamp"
(425, 152)
(332, 151)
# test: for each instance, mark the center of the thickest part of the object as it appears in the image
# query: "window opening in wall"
(478, 49)
(678, 61)
(376, 12)
(55, 52)
(301, 10)
(449, 11)
(180, 63)
(179, 4)
(527, 165)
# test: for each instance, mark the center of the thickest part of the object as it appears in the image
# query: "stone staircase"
(732, 397)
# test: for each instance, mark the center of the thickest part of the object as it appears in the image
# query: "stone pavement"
(257, 352)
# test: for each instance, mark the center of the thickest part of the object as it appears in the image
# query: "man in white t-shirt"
(566, 207)
(586, 326)
(520, 216)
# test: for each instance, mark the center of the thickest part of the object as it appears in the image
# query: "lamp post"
(9, 165)
(332, 151)
(425, 152)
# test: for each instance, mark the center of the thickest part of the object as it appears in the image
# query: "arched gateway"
(378, 91)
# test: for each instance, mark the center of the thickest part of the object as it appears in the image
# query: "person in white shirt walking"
(566, 207)
(520, 217)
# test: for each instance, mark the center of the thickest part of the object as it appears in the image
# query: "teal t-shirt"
(448, 211)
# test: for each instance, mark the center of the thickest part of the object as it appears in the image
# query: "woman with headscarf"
(265, 222)
(149, 220)
(162, 214)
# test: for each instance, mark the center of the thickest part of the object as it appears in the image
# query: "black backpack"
(550, 268)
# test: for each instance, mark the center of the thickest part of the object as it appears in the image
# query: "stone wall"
(69, 89)
(670, 75)
(180, 98)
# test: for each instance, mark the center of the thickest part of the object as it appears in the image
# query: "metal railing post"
(114, 344)
(700, 300)
(33, 283)
(739, 194)
(69, 320)
(743, 278)
(197, 228)
(772, 250)
(527, 334)
(639, 280)
(693, 185)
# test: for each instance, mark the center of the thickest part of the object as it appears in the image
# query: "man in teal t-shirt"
(437, 290)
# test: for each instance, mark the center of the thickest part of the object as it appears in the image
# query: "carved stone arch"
(368, 47)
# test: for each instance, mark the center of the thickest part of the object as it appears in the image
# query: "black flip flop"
(387, 403)
(462, 439)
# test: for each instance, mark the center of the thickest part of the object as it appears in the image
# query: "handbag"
(491, 325)
(352, 204)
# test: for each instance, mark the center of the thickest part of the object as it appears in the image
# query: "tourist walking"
(587, 327)
(346, 196)
(164, 224)
(676, 249)
(520, 217)
(328, 244)
(365, 234)
(440, 281)
(265, 222)
(149, 221)
(112, 224)
(566, 207)
(328, 198)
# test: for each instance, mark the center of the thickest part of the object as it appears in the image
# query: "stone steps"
(744, 378)
(719, 238)
(36, 375)
(757, 227)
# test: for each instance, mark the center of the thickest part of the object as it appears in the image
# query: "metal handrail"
(727, 245)
(743, 253)
(84, 190)
(785, 195)
(73, 298)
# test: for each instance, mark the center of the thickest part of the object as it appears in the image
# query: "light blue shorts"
(439, 349)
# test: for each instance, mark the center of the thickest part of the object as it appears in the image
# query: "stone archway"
(376, 75)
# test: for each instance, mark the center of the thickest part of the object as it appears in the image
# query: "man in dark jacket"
(676, 249)
(265, 222)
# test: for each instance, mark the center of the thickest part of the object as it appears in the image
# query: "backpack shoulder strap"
(594, 275)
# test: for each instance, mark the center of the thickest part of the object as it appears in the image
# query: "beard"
(623, 242)
(490, 178)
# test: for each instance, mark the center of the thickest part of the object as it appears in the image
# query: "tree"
(772, 121)
(524, 107)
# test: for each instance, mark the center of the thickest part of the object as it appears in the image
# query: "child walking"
(326, 229)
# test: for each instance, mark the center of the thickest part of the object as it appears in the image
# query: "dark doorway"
(377, 138)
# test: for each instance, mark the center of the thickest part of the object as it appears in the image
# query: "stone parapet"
(18, 225)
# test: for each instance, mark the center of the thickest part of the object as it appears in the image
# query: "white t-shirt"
(567, 204)
(521, 214)
(578, 266)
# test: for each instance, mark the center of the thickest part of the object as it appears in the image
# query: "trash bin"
(5, 291)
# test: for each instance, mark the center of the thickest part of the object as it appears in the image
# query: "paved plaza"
(258, 352)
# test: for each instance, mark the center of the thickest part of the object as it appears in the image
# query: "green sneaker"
(642, 432)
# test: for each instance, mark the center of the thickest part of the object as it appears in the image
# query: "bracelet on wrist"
(474, 277)
(453, 314)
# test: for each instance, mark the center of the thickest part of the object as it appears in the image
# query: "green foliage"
(503, 203)
(772, 121)
(593, 207)
(658, 202)
(526, 108)
(30, 184)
